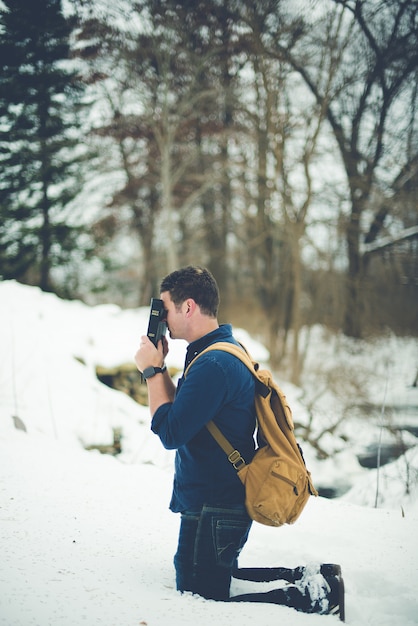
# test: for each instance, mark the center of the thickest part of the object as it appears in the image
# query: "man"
(207, 491)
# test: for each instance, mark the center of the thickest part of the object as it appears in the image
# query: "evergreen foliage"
(40, 154)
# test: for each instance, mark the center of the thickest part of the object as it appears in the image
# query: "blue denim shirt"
(219, 387)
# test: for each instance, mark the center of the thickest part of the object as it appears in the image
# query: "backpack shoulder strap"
(234, 456)
(238, 351)
(241, 352)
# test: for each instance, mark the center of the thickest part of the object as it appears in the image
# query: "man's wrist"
(151, 371)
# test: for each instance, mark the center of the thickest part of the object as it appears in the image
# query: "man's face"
(174, 317)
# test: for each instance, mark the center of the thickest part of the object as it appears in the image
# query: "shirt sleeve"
(199, 399)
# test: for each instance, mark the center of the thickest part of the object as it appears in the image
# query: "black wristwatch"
(149, 372)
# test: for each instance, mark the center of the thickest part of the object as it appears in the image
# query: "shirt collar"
(222, 333)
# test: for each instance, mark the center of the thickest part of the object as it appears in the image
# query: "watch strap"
(151, 371)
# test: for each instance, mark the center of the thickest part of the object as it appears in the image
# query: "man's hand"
(150, 356)
(161, 388)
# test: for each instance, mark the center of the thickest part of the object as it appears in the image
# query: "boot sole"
(339, 609)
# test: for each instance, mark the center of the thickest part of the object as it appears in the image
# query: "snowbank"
(87, 538)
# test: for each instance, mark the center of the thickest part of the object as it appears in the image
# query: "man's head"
(196, 283)
(191, 300)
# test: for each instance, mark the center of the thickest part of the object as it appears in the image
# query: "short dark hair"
(196, 283)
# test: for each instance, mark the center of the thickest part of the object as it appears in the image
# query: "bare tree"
(285, 132)
(374, 46)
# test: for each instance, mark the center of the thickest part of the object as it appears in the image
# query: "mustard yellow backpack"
(277, 482)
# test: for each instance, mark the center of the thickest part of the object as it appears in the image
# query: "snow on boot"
(325, 594)
(291, 575)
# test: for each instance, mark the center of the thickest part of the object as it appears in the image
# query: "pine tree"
(40, 148)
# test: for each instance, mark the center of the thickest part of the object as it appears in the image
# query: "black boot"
(324, 594)
(268, 574)
(312, 592)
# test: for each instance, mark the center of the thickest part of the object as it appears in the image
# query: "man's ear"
(190, 306)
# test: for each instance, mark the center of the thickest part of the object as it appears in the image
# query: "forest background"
(275, 142)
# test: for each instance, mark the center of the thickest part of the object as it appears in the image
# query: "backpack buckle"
(236, 459)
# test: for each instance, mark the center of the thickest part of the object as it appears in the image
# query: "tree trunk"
(45, 236)
(296, 308)
(353, 316)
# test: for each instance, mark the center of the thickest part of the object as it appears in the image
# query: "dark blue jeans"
(210, 541)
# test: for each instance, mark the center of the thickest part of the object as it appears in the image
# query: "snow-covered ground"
(88, 539)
